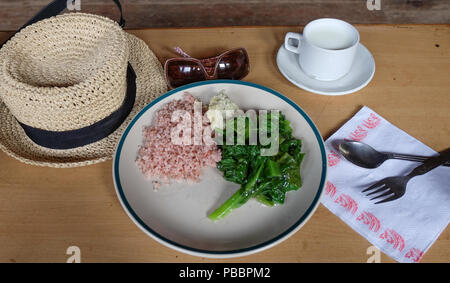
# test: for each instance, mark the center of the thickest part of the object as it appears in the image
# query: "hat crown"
(66, 72)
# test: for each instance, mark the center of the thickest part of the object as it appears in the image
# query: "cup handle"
(297, 37)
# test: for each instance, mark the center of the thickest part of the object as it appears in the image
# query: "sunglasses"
(232, 65)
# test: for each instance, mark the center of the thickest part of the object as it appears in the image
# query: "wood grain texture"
(208, 13)
(43, 210)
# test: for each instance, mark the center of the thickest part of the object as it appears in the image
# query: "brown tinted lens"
(234, 65)
(181, 72)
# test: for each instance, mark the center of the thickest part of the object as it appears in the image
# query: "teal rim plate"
(176, 214)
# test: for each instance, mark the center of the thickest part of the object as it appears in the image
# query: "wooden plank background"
(206, 13)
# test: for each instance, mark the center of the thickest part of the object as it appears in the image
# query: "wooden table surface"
(43, 211)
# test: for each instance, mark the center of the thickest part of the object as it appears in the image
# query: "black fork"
(394, 187)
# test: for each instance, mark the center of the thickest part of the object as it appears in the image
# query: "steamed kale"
(265, 178)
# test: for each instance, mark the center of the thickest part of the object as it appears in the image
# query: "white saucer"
(359, 76)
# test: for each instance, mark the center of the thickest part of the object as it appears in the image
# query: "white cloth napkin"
(404, 228)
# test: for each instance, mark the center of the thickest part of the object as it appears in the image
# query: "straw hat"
(67, 91)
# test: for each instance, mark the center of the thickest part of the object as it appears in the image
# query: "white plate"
(176, 215)
(359, 76)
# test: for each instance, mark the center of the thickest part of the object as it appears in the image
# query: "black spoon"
(366, 156)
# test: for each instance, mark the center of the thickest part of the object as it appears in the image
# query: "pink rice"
(159, 157)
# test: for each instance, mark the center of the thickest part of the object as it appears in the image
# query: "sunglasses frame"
(202, 62)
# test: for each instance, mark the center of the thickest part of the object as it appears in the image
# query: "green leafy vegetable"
(265, 178)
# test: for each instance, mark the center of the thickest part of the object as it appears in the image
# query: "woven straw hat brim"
(150, 84)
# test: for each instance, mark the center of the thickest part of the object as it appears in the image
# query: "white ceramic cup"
(326, 48)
